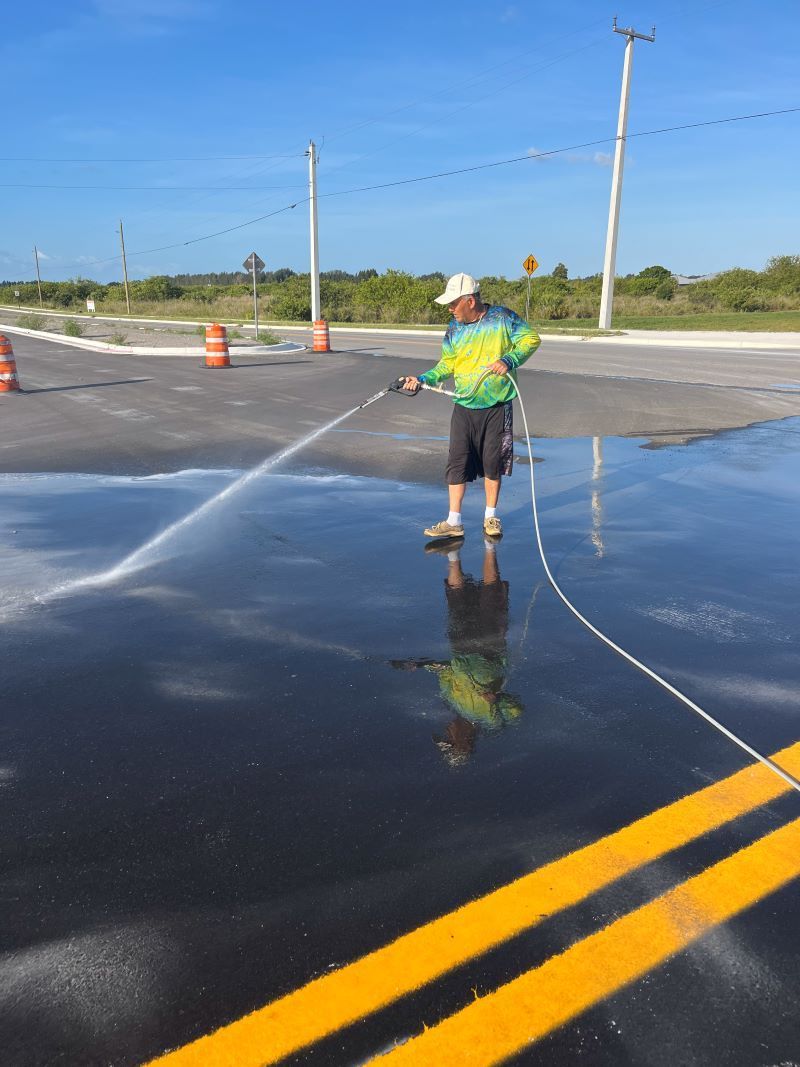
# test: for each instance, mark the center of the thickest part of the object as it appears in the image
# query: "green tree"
(560, 271)
(655, 272)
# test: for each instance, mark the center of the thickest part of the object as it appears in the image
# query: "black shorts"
(481, 443)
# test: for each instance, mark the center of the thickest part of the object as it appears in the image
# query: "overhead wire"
(451, 173)
(140, 159)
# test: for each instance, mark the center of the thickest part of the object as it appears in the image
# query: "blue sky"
(391, 92)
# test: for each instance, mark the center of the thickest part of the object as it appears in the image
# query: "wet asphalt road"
(288, 736)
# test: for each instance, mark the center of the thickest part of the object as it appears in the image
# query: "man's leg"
(457, 474)
(498, 446)
(492, 488)
(456, 493)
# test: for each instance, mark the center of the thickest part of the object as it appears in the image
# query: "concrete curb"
(284, 348)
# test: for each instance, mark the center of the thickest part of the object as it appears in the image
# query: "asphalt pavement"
(282, 786)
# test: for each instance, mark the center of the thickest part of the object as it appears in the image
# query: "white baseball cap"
(459, 285)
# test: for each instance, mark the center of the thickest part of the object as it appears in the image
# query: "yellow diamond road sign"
(530, 264)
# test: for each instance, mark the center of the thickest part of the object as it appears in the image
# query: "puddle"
(294, 721)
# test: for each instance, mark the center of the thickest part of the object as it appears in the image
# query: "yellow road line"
(337, 999)
(517, 1014)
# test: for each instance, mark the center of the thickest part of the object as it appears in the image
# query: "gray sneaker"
(444, 529)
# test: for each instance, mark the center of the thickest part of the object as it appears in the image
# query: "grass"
(747, 321)
(265, 337)
(750, 322)
(73, 328)
(34, 321)
(118, 338)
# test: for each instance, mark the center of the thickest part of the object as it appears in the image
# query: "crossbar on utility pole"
(610, 261)
(38, 276)
(312, 200)
(124, 267)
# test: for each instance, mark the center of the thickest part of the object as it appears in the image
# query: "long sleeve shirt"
(469, 348)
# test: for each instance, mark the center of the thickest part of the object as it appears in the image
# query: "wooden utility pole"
(38, 276)
(124, 267)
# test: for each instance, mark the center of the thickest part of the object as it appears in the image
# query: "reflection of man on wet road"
(472, 681)
(480, 338)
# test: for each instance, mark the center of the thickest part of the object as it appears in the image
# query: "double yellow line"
(494, 1027)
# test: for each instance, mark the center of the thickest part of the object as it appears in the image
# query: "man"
(479, 338)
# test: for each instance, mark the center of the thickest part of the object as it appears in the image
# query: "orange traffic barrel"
(9, 382)
(322, 339)
(217, 354)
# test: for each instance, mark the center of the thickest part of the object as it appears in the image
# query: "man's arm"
(443, 369)
(524, 341)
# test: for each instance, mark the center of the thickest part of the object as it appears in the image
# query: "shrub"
(782, 274)
(748, 299)
(33, 321)
(553, 307)
(267, 337)
(665, 290)
(73, 328)
(118, 338)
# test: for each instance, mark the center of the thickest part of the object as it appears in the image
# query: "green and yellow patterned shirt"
(469, 348)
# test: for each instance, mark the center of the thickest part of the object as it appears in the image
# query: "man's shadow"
(472, 681)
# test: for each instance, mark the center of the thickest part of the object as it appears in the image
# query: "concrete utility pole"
(124, 267)
(312, 199)
(38, 276)
(609, 264)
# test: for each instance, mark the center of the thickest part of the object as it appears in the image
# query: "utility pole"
(124, 267)
(255, 299)
(38, 276)
(609, 264)
(312, 199)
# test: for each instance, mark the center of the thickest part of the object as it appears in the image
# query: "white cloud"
(510, 14)
(536, 153)
(603, 159)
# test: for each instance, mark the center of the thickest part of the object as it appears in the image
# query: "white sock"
(454, 518)
(490, 513)
(454, 556)
(490, 545)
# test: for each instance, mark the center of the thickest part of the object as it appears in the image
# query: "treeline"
(396, 296)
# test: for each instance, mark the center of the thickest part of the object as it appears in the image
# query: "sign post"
(254, 263)
(90, 304)
(530, 265)
(16, 294)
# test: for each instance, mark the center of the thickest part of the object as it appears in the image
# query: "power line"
(156, 188)
(559, 151)
(141, 159)
(447, 174)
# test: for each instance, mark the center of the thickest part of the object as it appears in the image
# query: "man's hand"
(499, 367)
(413, 383)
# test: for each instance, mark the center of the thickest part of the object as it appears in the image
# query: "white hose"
(788, 778)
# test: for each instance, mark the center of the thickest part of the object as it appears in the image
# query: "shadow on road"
(90, 385)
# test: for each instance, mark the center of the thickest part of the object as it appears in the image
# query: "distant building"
(690, 279)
